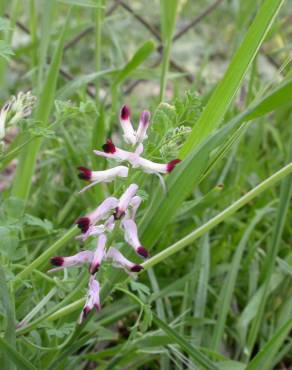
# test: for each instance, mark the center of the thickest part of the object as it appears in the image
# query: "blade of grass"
(263, 359)
(139, 57)
(195, 353)
(223, 95)
(20, 361)
(202, 288)
(8, 306)
(225, 297)
(27, 163)
(268, 268)
(47, 17)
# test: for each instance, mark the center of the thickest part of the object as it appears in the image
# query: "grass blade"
(229, 284)
(263, 359)
(192, 351)
(26, 167)
(20, 361)
(9, 336)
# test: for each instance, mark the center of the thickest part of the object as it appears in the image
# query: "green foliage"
(216, 290)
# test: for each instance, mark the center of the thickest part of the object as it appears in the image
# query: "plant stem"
(187, 240)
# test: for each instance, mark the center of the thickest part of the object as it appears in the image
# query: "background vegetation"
(216, 292)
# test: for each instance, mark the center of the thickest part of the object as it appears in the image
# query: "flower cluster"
(15, 109)
(113, 212)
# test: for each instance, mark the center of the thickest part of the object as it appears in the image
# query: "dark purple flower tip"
(109, 147)
(145, 117)
(97, 307)
(125, 112)
(83, 223)
(57, 261)
(137, 268)
(142, 251)
(86, 311)
(84, 174)
(170, 165)
(119, 213)
(94, 268)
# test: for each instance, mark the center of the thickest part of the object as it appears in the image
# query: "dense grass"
(216, 290)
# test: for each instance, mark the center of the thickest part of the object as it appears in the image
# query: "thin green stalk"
(187, 240)
(168, 11)
(164, 70)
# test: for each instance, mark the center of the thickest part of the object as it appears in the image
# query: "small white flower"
(101, 213)
(122, 261)
(129, 133)
(76, 260)
(96, 177)
(131, 237)
(98, 254)
(125, 200)
(92, 299)
(143, 126)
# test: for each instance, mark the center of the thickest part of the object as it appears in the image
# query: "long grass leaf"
(197, 355)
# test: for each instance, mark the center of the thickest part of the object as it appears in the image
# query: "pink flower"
(125, 200)
(101, 176)
(129, 133)
(101, 212)
(143, 126)
(98, 254)
(92, 299)
(113, 152)
(131, 237)
(122, 261)
(76, 260)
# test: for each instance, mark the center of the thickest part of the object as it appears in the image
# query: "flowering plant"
(114, 212)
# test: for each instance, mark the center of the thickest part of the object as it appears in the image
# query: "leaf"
(5, 50)
(26, 166)
(139, 57)
(9, 336)
(224, 300)
(223, 95)
(71, 87)
(263, 359)
(35, 221)
(198, 357)
(20, 361)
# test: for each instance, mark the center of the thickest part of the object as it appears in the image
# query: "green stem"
(187, 240)
(164, 70)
